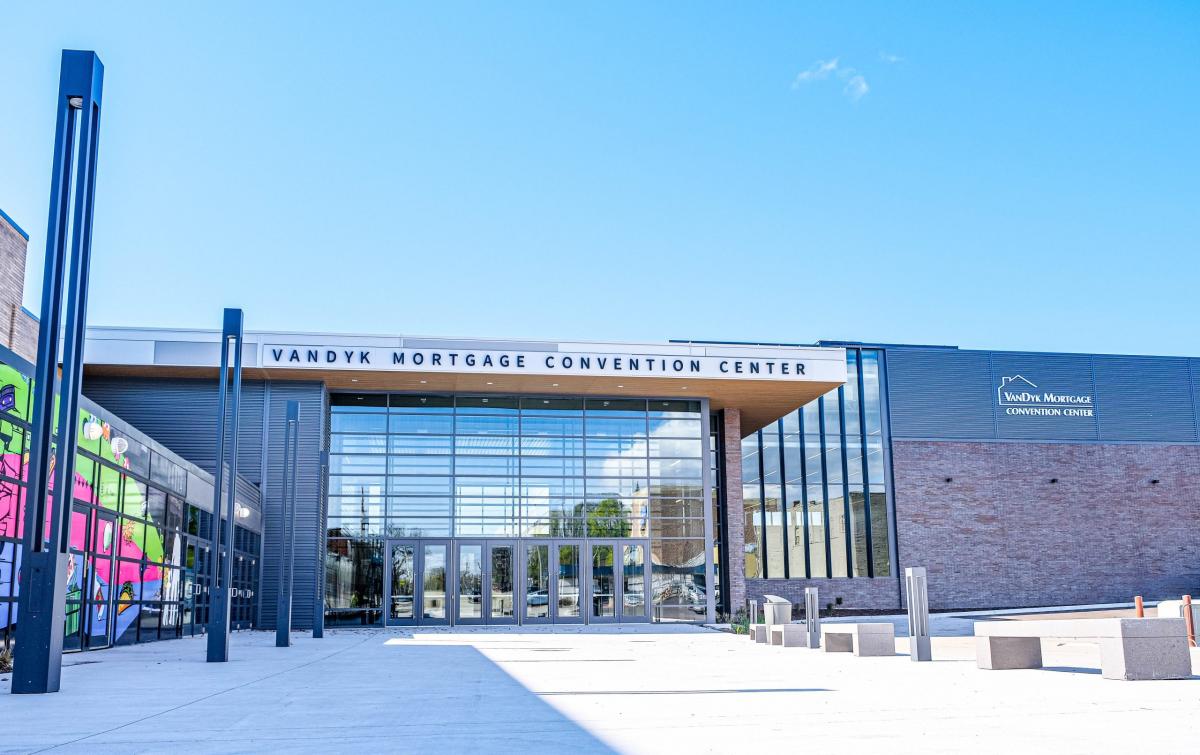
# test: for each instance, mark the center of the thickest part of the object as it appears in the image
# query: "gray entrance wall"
(181, 414)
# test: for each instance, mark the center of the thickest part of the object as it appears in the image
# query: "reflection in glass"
(678, 581)
(537, 581)
(633, 586)
(604, 584)
(403, 581)
(829, 473)
(353, 573)
(568, 581)
(501, 581)
(470, 581)
(493, 468)
(433, 587)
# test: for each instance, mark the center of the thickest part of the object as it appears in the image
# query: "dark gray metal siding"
(954, 394)
(310, 515)
(1196, 392)
(944, 393)
(181, 414)
(1144, 399)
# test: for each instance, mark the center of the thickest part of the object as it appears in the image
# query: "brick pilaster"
(735, 522)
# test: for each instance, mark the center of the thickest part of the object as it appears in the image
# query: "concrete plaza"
(651, 689)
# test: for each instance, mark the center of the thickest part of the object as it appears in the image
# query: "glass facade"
(139, 551)
(517, 467)
(814, 484)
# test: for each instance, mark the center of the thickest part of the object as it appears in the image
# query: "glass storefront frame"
(573, 586)
(685, 527)
(817, 485)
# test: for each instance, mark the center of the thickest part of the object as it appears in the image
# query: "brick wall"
(735, 523)
(999, 533)
(881, 593)
(18, 330)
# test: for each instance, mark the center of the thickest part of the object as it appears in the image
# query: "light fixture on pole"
(45, 545)
(224, 506)
(283, 606)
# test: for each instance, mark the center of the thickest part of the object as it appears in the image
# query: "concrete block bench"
(758, 633)
(1129, 648)
(788, 635)
(877, 638)
(1169, 609)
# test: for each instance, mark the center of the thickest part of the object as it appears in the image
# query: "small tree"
(607, 519)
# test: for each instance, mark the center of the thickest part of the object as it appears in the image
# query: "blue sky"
(1012, 175)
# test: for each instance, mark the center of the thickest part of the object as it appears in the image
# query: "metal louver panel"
(1143, 398)
(939, 393)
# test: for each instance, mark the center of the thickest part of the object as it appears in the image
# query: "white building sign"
(768, 366)
(1020, 397)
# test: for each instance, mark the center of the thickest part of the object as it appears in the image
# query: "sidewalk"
(652, 689)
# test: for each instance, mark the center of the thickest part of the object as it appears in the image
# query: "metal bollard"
(812, 618)
(1141, 608)
(917, 586)
(1189, 620)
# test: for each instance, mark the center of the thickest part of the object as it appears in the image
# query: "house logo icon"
(1016, 391)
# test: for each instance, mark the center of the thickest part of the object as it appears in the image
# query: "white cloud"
(889, 58)
(817, 71)
(856, 85)
(856, 88)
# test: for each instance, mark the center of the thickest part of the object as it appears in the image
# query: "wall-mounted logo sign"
(1020, 397)
(768, 366)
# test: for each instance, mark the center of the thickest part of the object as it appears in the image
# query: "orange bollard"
(1188, 620)
(1141, 609)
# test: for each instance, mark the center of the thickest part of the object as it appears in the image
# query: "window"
(817, 506)
(500, 466)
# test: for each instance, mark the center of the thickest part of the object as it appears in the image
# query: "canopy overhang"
(764, 383)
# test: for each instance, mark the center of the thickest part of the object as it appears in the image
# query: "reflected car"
(539, 598)
(696, 599)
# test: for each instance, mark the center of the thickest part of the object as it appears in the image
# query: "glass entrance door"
(469, 604)
(617, 578)
(435, 582)
(431, 582)
(569, 582)
(501, 562)
(602, 606)
(401, 582)
(635, 576)
(535, 572)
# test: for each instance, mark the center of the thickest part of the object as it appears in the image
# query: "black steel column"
(319, 571)
(224, 502)
(42, 598)
(287, 545)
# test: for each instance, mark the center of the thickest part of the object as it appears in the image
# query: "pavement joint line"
(203, 698)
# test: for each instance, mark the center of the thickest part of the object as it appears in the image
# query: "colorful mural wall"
(138, 551)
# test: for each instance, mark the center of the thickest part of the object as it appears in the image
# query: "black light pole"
(42, 600)
(319, 572)
(287, 546)
(224, 502)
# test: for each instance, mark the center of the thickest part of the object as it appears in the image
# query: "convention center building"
(447, 481)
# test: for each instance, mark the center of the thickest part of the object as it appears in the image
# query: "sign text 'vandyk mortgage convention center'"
(583, 363)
